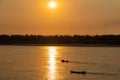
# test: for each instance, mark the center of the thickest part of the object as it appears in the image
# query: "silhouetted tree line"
(59, 39)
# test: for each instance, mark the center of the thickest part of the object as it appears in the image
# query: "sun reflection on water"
(52, 62)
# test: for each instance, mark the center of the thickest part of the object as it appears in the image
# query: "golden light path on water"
(52, 62)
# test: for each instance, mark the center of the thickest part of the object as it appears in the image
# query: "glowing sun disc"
(52, 4)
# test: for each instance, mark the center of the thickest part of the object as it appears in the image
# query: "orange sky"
(69, 17)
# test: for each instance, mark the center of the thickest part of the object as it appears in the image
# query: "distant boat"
(64, 60)
(78, 72)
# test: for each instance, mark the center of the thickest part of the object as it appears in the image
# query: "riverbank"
(72, 45)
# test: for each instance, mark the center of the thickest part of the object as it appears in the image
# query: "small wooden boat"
(78, 72)
(64, 61)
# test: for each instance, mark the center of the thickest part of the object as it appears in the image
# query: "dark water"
(44, 63)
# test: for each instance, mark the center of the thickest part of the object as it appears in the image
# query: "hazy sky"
(69, 17)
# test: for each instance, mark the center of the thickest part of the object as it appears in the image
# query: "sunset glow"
(52, 4)
(60, 17)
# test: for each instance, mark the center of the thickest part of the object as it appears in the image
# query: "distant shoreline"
(71, 45)
(61, 40)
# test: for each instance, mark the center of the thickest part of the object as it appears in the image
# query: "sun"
(52, 4)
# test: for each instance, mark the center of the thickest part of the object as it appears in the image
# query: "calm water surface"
(44, 63)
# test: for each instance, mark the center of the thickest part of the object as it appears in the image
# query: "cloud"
(109, 25)
(112, 23)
